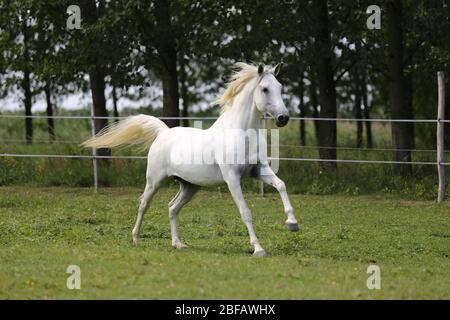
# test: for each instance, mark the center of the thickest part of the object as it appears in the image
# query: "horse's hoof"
(260, 253)
(291, 226)
(180, 246)
(136, 238)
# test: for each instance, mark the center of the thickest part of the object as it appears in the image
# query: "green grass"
(43, 230)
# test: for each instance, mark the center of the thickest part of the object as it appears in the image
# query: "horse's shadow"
(228, 249)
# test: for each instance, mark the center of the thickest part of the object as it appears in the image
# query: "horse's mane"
(241, 76)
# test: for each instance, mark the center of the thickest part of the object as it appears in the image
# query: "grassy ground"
(42, 231)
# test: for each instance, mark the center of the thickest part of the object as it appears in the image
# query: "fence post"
(94, 152)
(440, 136)
(263, 126)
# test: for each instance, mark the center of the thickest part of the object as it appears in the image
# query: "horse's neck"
(243, 114)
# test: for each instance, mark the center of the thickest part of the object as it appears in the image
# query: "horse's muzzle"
(282, 120)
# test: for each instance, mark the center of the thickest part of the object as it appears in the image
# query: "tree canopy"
(333, 63)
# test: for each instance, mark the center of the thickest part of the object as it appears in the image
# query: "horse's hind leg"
(184, 195)
(150, 189)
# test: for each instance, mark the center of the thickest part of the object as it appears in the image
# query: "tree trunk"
(166, 46)
(50, 123)
(327, 89)
(367, 115)
(114, 98)
(302, 109)
(97, 80)
(92, 11)
(315, 107)
(358, 110)
(184, 93)
(409, 109)
(399, 103)
(28, 104)
(26, 86)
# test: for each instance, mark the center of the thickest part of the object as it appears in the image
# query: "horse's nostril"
(283, 118)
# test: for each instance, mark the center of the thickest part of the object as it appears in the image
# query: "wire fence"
(372, 120)
(94, 156)
(288, 146)
(215, 118)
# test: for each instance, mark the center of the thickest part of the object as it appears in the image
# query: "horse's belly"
(201, 175)
(195, 155)
(190, 156)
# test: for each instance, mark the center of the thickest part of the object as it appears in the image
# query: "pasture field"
(44, 230)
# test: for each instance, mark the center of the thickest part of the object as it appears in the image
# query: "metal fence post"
(263, 126)
(94, 151)
(440, 136)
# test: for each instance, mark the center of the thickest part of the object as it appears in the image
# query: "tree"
(327, 88)
(302, 109)
(357, 102)
(410, 45)
(319, 32)
(367, 107)
(18, 27)
(50, 123)
(96, 68)
(399, 88)
(47, 77)
(101, 49)
(166, 46)
(158, 30)
(184, 90)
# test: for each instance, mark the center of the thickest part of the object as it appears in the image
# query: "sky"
(68, 102)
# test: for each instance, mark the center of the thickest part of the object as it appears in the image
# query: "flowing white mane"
(243, 74)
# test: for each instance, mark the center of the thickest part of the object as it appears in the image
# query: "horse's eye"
(265, 90)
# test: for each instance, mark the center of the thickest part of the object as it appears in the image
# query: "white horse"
(252, 91)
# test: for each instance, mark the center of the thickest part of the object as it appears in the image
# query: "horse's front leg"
(234, 184)
(266, 175)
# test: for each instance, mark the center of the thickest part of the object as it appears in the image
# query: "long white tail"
(140, 129)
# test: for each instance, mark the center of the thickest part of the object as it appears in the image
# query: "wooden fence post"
(94, 151)
(440, 136)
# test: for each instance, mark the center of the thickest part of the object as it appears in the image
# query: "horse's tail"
(140, 129)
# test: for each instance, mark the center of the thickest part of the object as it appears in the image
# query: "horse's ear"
(275, 70)
(260, 69)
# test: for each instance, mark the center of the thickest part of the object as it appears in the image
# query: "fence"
(440, 163)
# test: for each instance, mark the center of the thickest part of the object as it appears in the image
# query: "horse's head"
(267, 95)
